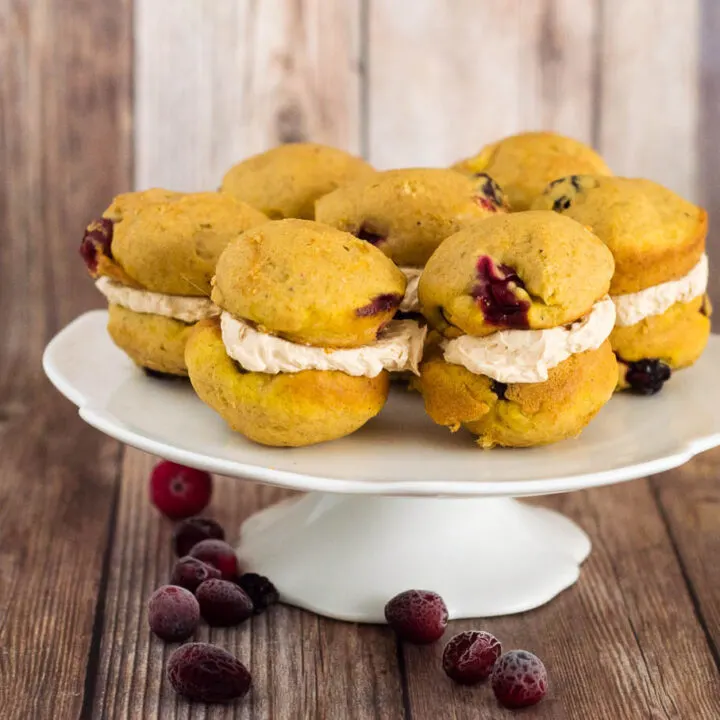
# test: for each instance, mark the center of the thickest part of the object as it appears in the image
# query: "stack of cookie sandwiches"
(303, 348)
(408, 213)
(661, 271)
(153, 255)
(520, 306)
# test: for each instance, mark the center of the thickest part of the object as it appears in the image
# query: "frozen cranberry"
(260, 590)
(647, 377)
(223, 603)
(369, 235)
(206, 673)
(178, 491)
(469, 657)
(173, 613)
(218, 554)
(380, 304)
(519, 679)
(191, 531)
(495, 294)
(189, 572)
(418, 616)
(97, 239)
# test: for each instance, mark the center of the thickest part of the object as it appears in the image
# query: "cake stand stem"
(345, 556)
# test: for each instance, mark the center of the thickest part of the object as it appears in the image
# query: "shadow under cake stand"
(402, 503)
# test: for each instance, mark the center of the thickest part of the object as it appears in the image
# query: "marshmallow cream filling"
(410, 302)
(526, 356)
(399, 348)
(180, 307)
(634, 307)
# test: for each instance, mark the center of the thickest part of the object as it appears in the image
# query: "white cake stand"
(402, 503)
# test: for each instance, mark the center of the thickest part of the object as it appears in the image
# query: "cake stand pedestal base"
(345, 556)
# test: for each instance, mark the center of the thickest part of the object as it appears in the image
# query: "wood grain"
(442, 84)
(648, 101)
(216, 84)
(64, 149)
(302, 666)
(707, 146)
(622, 643)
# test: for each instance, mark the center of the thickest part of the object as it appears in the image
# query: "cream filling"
(180, 307)
(526, 356)
(410, 302)
(634, 307)
(399, 348)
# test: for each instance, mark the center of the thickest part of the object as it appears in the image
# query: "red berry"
(260, 590)
(191, 531)
(178, 491)
(469, 657)
(418, 616)
(218, 554)
(519, 679)
(223, 603)
(189, 572)
(207, 673)
(173, 613)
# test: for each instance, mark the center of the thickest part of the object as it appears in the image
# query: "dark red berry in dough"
(380, 304)
(647, 377)
(495, 294)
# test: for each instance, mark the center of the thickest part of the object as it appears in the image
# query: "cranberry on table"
(519, 679)
(469, 657)
(191, 531)
(260, 590)
(189, 572)
(173, 613)
(418, 616)
(218, 554)
(223, 603)
(178, 491)
(207, 673)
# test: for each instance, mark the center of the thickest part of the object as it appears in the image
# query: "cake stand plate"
(401, 503)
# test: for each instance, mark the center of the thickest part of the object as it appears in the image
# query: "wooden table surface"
(81, 549)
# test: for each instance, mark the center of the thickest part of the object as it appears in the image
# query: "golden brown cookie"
(287, 409)
(529, 270)
(519, 414)
(308, 283)
(654, 235)
(151, 341)
(286, 181)
(408, 213)
(524, 164)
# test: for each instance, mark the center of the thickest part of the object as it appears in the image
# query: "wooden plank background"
(95, 98)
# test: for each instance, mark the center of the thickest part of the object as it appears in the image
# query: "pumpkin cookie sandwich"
(408, 213)
(286, 181)
(524, 164)
(661, 271)
(153, 255)
(302, 350)
(521, 356)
